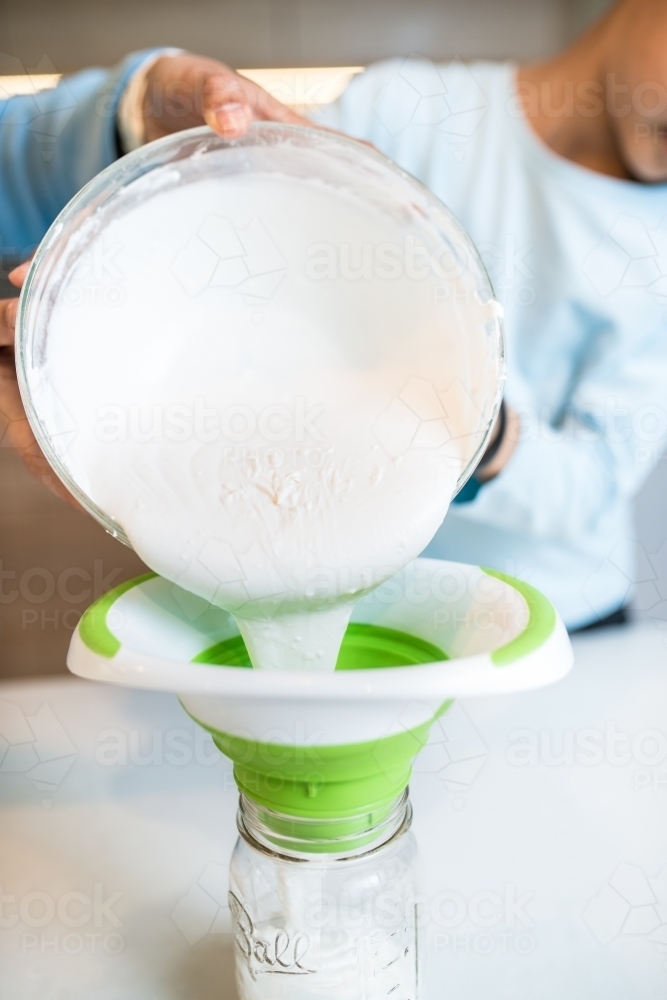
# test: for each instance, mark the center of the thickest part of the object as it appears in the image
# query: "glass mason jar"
(318, 913)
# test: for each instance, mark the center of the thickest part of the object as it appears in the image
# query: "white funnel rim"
(501, 636)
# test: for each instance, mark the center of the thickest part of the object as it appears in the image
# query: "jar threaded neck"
(302, 837)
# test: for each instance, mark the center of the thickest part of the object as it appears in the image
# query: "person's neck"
(565, 101)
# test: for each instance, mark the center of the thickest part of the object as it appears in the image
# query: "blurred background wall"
(53, 560)
(249, 33)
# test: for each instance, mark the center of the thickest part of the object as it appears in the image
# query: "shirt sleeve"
(565, 480)
(51, 144)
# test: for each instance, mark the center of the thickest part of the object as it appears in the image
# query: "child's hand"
(187, 90)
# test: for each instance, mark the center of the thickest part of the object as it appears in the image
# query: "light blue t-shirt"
(579, 262)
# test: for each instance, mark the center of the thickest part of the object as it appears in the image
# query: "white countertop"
(541, 817)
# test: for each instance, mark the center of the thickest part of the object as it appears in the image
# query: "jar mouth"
(305, 838)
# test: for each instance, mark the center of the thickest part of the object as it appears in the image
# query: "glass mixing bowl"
(434, 253)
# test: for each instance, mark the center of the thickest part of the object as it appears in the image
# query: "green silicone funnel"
(335, 748)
